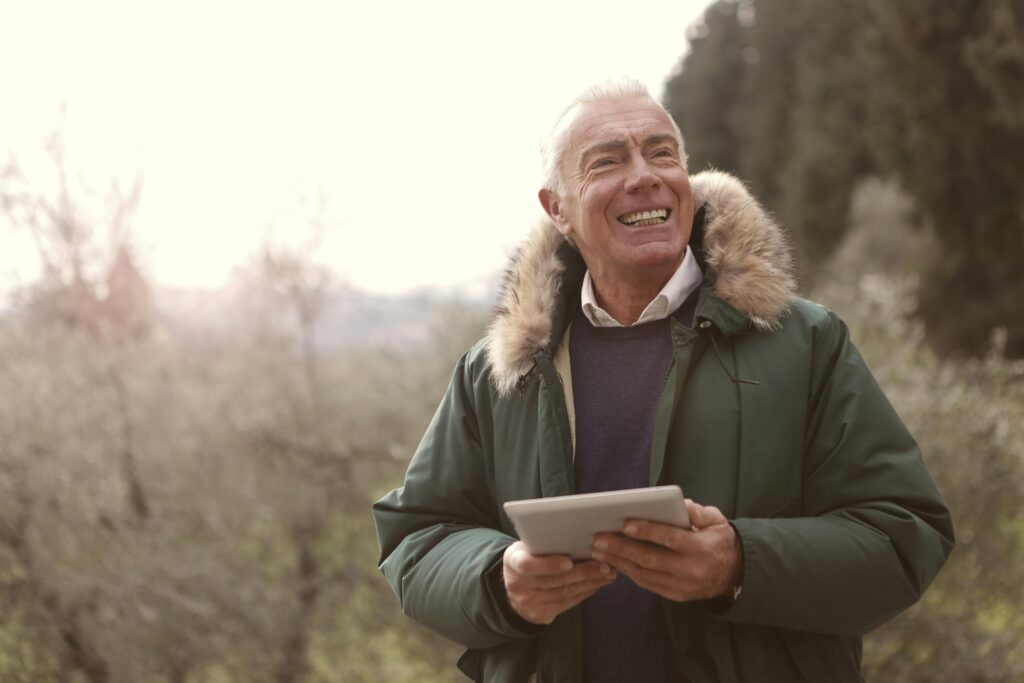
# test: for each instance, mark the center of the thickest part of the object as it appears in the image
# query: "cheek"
(585, 192)
(586, 207)
(596, 197)
(683, 189)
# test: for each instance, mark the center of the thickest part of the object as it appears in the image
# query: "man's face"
(627, 204)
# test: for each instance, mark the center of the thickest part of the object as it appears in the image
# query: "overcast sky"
(419, 122)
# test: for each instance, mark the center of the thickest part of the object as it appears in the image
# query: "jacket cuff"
(721, 606)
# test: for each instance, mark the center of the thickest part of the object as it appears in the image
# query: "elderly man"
(649, 333)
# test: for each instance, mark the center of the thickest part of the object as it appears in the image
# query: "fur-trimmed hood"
(747, 251)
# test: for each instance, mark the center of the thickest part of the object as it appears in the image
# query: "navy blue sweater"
(618, 375)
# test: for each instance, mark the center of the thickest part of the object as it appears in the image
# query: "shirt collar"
(687, 278)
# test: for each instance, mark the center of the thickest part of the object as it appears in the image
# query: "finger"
(545, 612)
(665, 583)
(641, 552)
(704, 515)
(571, 595)
(600, 571)
(665, 535)
(645, 577)
(589, 570)
(582, 571)
(520, 560)
(647, 555)
(542, 606)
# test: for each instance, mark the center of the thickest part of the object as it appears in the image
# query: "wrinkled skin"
(622, 157)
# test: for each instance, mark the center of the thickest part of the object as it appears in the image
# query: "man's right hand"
(540, 587)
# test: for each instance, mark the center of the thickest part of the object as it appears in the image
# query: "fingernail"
(630, 529)
(597, 555)
(566, 565)
(605, 569)
(600, 545)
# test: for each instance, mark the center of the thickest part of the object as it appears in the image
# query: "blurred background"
(242, 246)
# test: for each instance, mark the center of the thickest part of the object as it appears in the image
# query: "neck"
(624, 300)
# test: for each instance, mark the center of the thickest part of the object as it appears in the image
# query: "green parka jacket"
(840, 523)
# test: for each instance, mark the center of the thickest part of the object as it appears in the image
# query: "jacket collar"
(745, 255)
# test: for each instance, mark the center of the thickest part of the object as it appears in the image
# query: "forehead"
(616, 120)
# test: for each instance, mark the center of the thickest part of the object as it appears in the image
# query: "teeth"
(644, 217)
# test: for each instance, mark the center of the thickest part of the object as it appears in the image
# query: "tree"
(831, 93)
(91, 280)
(968, 416)
(944, 120)
(824, 160)
(762, 118)
(703, 91)
(776, 91)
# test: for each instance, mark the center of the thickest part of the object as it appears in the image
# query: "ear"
(553, 208)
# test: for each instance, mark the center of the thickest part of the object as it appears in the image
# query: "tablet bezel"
(565, 525)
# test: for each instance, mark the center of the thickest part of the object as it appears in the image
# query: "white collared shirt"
(682, 283)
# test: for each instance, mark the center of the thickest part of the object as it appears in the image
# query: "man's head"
(616, 183)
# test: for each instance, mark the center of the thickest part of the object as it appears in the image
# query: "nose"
(641, 177)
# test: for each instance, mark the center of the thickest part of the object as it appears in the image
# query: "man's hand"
(542, 587)
(679, 564)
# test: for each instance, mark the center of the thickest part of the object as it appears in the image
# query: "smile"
(645, 218)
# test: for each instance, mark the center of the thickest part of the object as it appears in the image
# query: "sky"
(411, 129)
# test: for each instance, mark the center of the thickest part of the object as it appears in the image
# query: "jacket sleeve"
(870, 530)
(441, 548)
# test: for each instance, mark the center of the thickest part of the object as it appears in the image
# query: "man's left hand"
(679, 564)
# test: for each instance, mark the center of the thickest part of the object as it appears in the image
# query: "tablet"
(565, 525)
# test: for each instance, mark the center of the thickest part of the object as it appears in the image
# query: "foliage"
(251, 554)
(91, 277)
(805, 99)
(190, 504)
(944, 120)
(184, 506)
(711, 71)
(968, 416)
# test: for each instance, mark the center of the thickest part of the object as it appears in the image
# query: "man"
(649, 333)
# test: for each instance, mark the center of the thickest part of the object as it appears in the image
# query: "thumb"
(704, 515)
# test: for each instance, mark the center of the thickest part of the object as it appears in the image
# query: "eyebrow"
(616, 145)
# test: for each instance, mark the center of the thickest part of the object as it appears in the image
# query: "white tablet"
(565, 525)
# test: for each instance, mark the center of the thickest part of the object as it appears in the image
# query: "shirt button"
(705, 324)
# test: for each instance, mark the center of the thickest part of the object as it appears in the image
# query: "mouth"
(639, 219)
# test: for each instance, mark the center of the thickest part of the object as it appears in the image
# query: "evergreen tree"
(804, 99)
(826, 155)
(758, 96)
(763, 118)
(703, 91)
(945, 119)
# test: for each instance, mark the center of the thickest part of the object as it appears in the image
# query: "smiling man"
(649, 333)
(630, 210)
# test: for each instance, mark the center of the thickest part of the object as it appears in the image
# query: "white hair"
(552, 148)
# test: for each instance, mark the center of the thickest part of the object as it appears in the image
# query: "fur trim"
(522, 321)
(747, 250)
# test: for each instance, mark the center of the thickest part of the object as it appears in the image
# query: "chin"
(657, 255)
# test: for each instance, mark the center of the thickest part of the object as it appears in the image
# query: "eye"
(603, 161)
(663, 152)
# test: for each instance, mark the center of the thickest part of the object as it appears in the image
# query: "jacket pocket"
(471, 664)
(512, 662)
